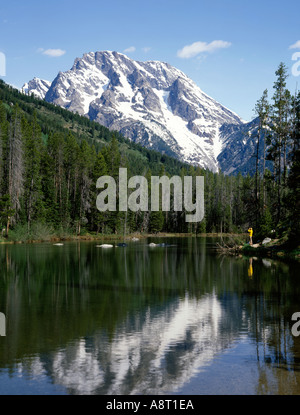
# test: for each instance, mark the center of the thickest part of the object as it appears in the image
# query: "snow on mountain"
(152, 103)
(240, 148)
(36, 86)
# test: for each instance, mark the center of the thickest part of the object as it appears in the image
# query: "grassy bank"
(43, 233)
(229, 244)
(277, 248)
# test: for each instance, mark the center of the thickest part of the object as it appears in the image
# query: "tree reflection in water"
(139, 320)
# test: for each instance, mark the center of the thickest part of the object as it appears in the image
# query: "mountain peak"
(150, 102)
(36, 86)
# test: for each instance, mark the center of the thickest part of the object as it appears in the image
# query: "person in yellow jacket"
(250, 231)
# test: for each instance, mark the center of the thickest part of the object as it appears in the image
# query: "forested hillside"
(50, 159)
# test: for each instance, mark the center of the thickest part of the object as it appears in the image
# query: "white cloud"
(295, 45)
(146, 49)
(54, 53)
(130, 49)
(189, 51)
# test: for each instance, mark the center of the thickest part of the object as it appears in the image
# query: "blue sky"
(231, 49)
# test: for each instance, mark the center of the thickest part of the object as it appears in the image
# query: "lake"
(177, 320)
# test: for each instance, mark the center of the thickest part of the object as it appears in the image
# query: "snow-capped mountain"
(152, 103)
(36, 86)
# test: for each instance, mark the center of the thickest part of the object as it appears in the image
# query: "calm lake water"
(142, 320)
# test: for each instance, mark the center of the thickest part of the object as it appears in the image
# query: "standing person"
(250, 230)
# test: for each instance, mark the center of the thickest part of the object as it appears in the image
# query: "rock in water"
(104, 246)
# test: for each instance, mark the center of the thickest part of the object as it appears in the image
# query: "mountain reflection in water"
(147, 321)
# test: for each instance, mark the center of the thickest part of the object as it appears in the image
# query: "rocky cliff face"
(151, 103)
(36, 86)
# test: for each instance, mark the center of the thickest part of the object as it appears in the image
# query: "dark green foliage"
(6, 212)
(265, 225)
(50, 160)
(156, 221)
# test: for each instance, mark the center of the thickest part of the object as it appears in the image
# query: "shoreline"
(277, 248)
(278, 251)
(101, 237)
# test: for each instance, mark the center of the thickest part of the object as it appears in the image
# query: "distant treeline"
(51, 158)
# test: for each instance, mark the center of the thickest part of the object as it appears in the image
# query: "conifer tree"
(293, 195)
(98, 219)
(279, 131)
(86, 163)
(55, 149)
(262, 109)
(14, 184)
(2, 140)
(6, 212)
(33, 199)
(71, 167)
